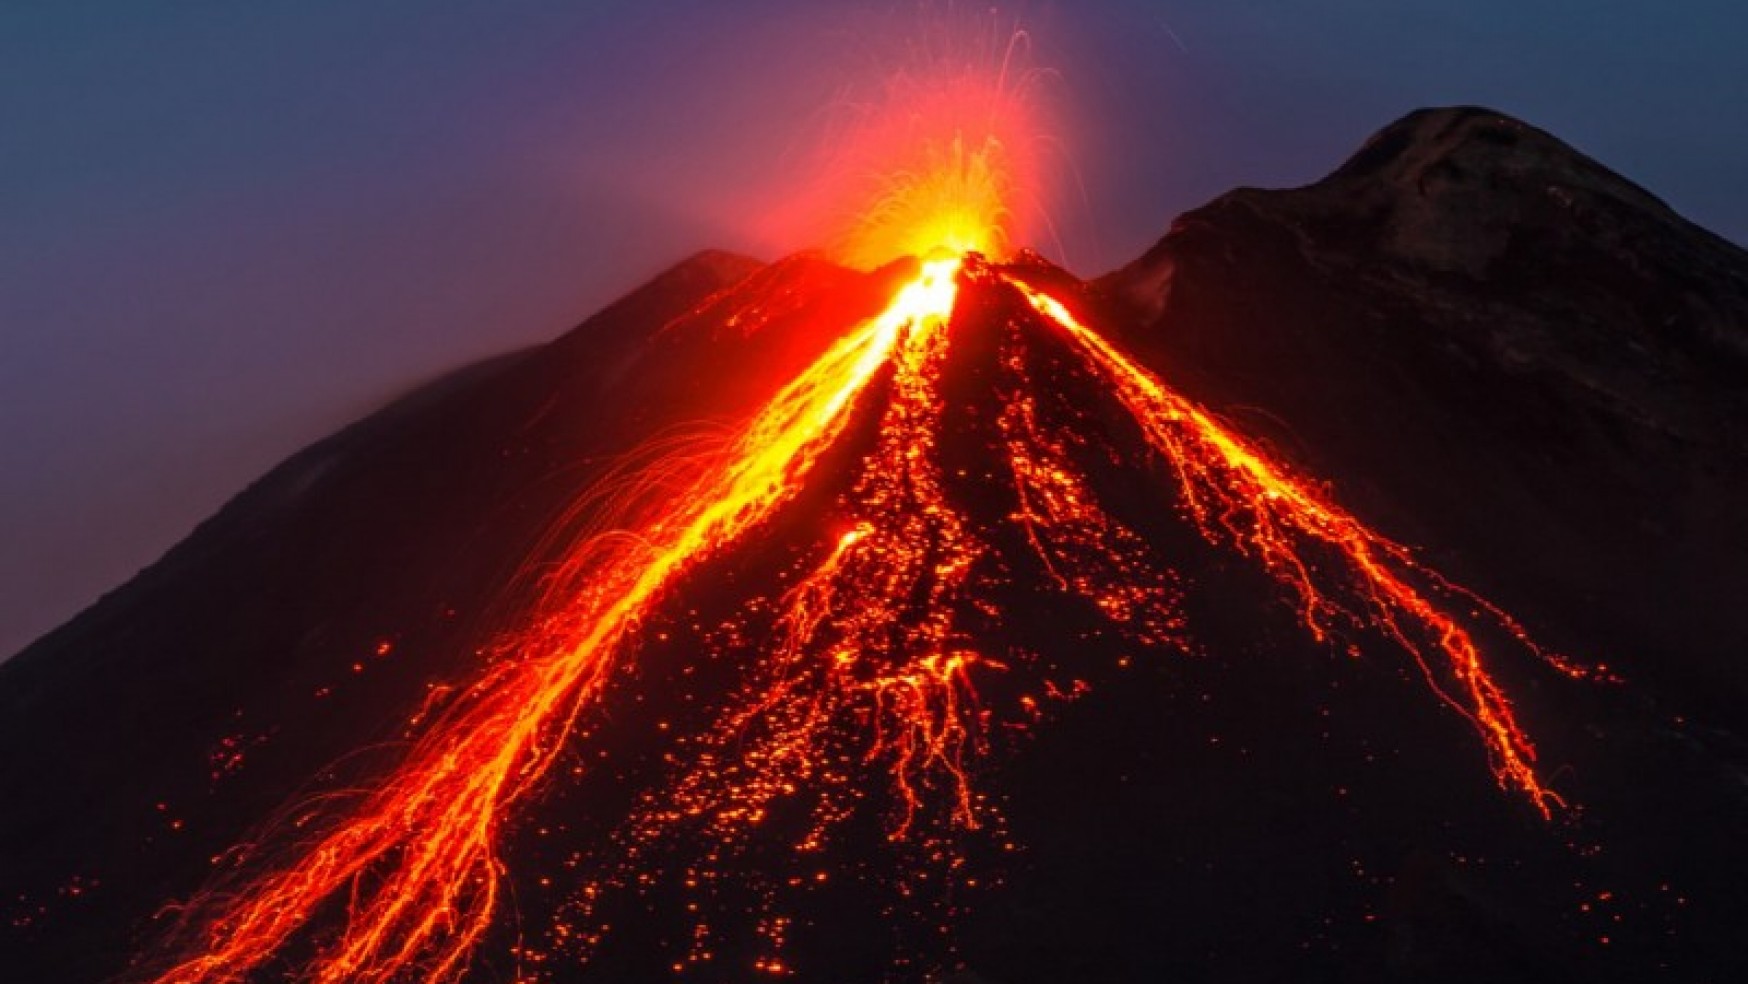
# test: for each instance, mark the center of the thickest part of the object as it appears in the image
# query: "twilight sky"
(228, 228)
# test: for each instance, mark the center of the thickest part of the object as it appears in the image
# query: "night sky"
(228, 228)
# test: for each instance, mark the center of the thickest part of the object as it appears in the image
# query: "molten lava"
(871, 663)
(416, 862)
(1238, 495)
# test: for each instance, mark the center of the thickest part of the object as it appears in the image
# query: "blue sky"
(227, 228)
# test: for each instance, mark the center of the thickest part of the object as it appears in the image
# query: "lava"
(948, 150)
(416, 864)
(871, 664)
(1236, 494)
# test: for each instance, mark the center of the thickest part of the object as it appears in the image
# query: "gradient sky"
(228, 228)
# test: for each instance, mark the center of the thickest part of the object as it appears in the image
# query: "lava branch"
(1234, 493)
(415, 865)
(1083, 549)
(865, 668)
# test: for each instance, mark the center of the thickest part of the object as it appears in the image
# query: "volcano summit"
(1001, 627)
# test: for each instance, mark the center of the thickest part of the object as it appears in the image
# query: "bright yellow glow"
(948, 154)
(1236, 493)
(954, 201)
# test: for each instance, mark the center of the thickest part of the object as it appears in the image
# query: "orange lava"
(870, 665)
(866, 667)
(415, 864)
(1084, 549)
(1236, 494)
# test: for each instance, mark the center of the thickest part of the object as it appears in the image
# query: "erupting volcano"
(819, 695)
(872, 655)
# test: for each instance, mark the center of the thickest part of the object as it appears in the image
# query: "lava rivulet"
(866, 668)
(872, 663)
(1235, 492)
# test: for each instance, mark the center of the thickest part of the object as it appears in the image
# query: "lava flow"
(1235, 493)
(415, 864)
(870, 662)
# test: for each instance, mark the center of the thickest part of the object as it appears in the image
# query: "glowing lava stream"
(866, 661)
(416, 864)
(1234, 492)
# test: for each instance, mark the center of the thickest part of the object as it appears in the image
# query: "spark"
(947, 154)
(952, 201)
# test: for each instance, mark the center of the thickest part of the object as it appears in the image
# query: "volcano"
(1346, 590)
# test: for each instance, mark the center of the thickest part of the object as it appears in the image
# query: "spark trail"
(871, 663)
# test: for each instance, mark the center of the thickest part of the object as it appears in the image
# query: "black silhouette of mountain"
(1488, 345)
